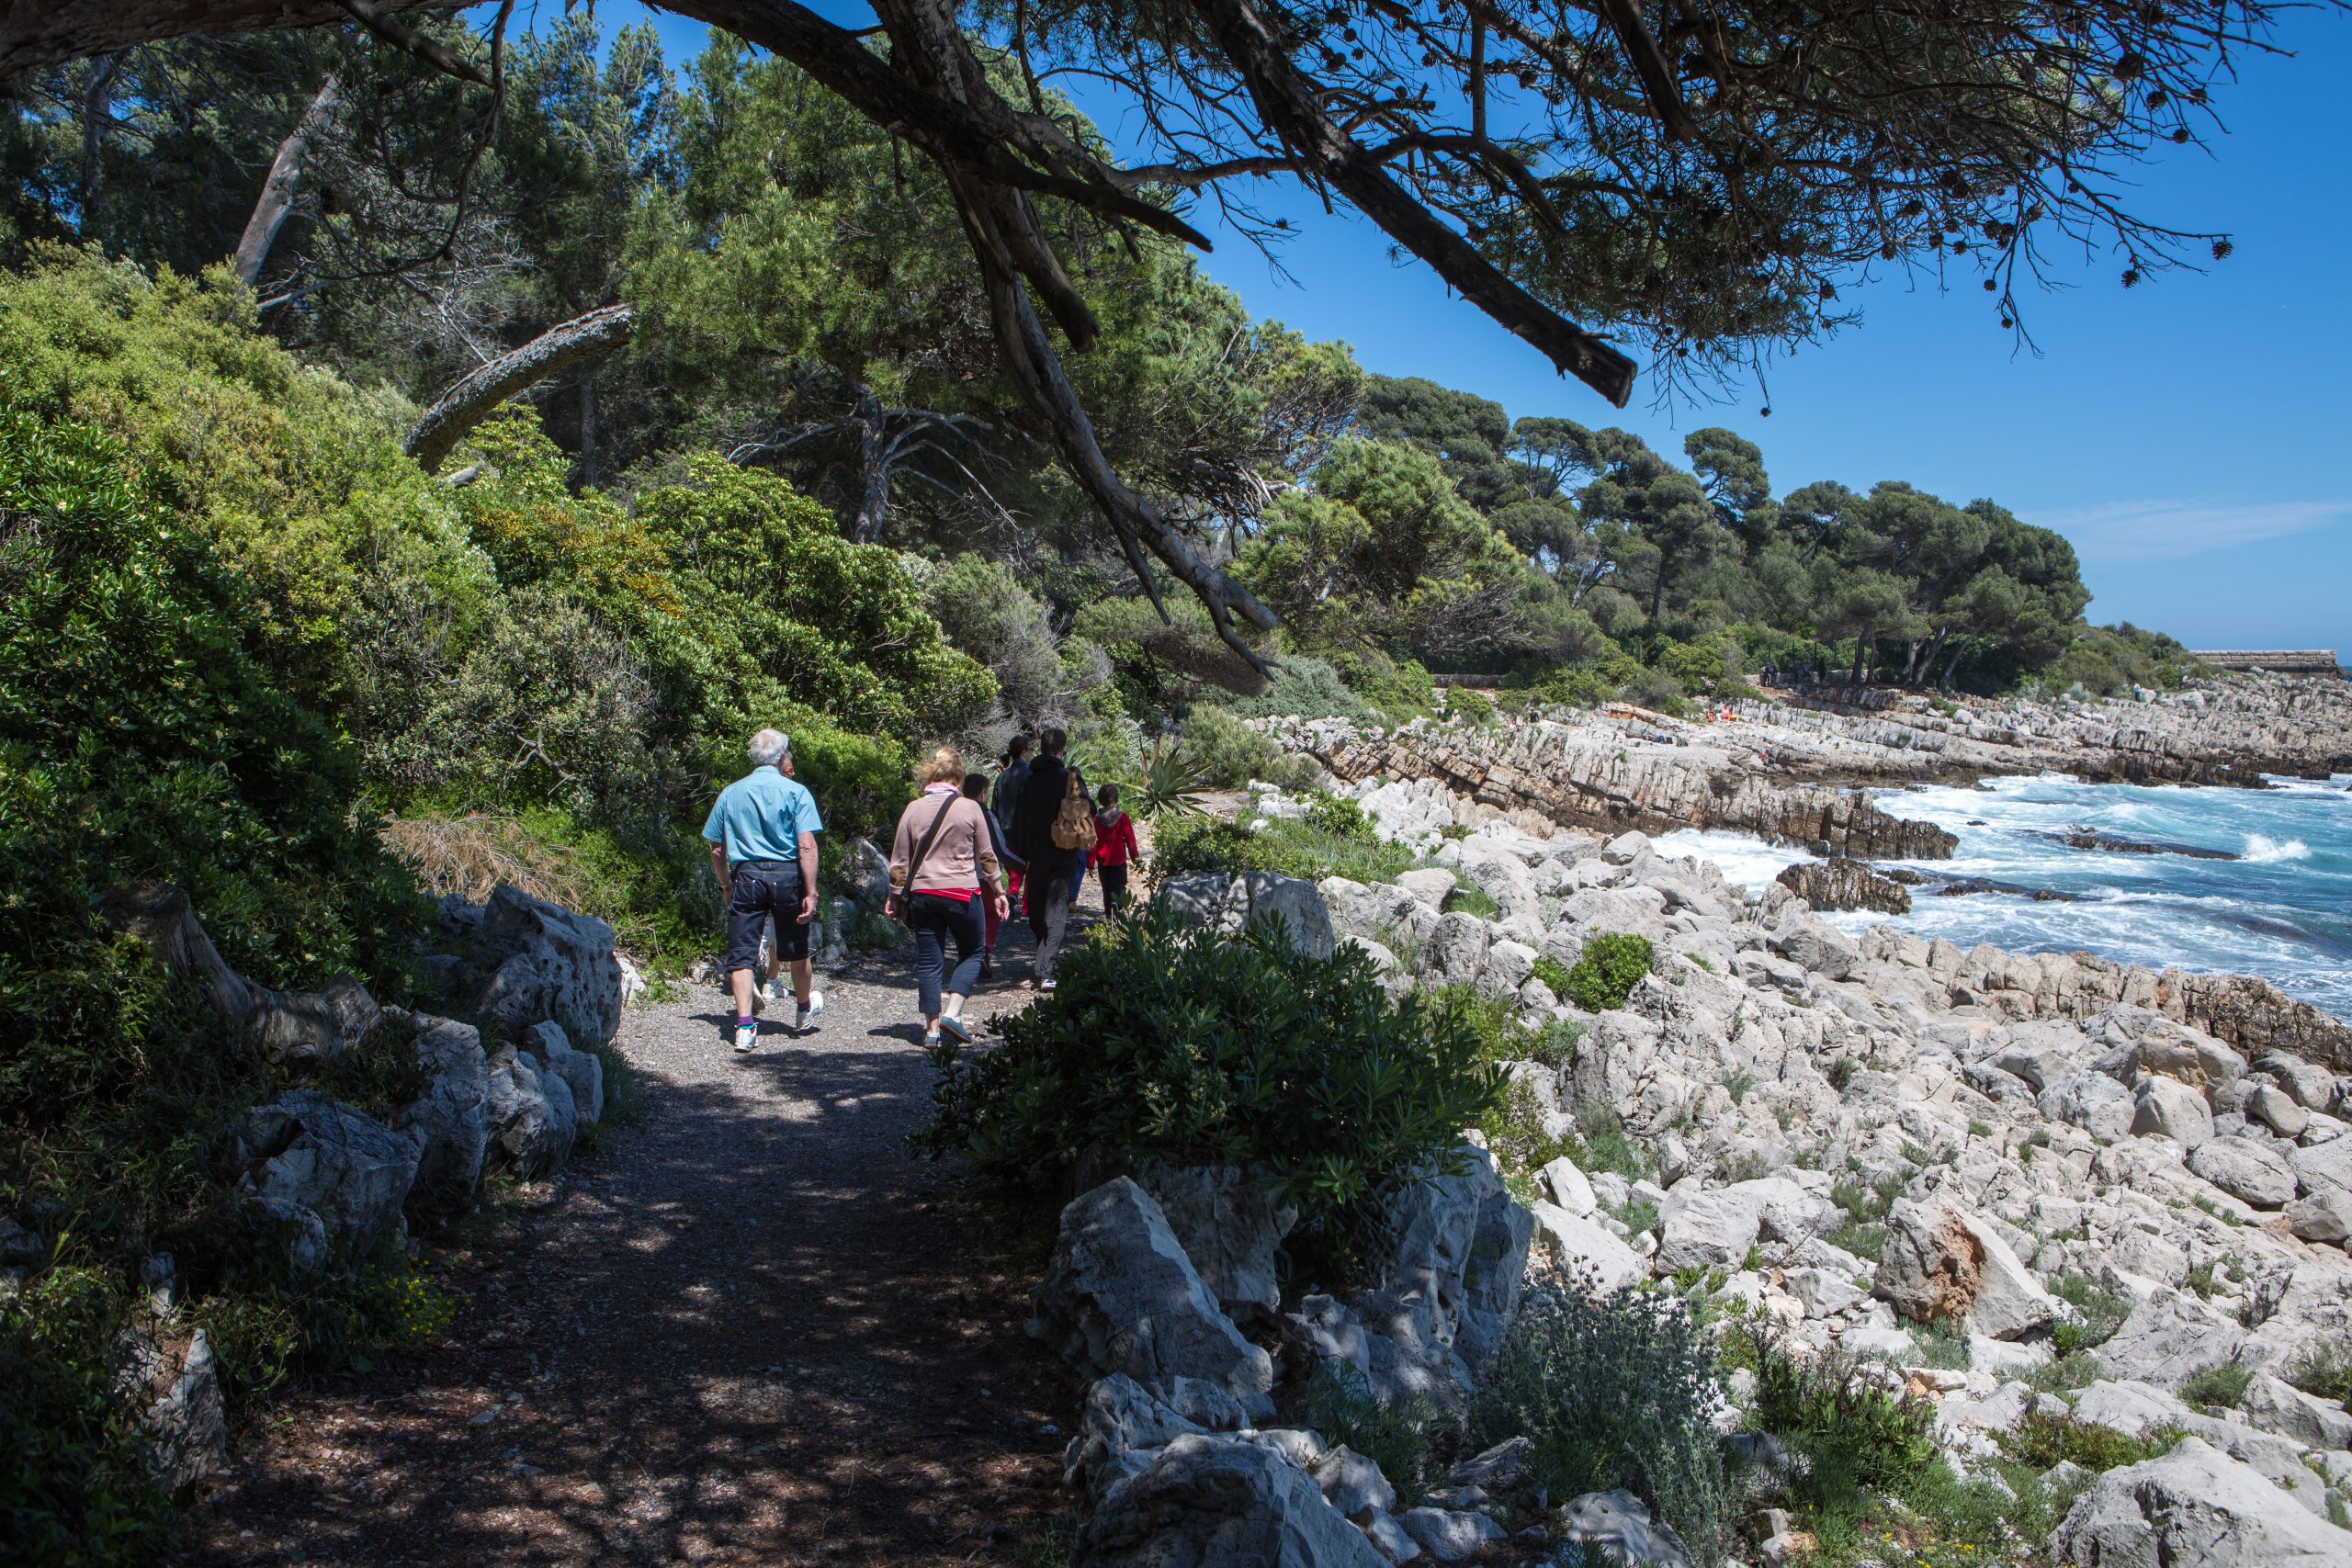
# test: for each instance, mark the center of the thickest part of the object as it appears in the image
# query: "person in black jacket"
(1052, 878)
(1004, 799)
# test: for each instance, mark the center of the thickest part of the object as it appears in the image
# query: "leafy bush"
(1866, 1203)
(2221, 1386)
(142, 736)
(1176, 1044)
(1397, 1436)
(2325, 1370)
(1467, 704)
(1227, 753)
(1554, 974)
(1614, 1392)
(2100, 1312)
(1397, 688)
(1340, 817)
(1855, 1437)
(2041, 1440)
(1302, 687)
(1613, 964)
(1286, 846)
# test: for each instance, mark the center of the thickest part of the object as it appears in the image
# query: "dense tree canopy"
(1702, 181)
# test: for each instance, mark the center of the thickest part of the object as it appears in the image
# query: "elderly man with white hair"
(763, 833)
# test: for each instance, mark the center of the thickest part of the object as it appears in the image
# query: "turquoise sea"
(2281, 907)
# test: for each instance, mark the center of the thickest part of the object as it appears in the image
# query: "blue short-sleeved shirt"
(761, 816)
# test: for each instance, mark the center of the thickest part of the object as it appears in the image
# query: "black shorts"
(765, 888)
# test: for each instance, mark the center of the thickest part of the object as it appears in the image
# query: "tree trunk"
(277, 191)
(98, 107)
(588, 464)
(469, 402)
(873, 466)
(1951, 666)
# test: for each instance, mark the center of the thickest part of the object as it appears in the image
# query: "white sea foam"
(2262, 849)
(1751, 862)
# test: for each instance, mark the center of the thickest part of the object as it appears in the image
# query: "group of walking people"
(967, 853)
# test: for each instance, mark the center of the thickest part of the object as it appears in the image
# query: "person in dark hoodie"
(1052, 877)
(1004, 800)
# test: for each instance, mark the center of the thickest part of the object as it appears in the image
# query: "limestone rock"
(2198, 1506)
(1122, 1297)
(1710, 1230)
(1943, 1263)
(2093, 1101)
(1230, 1224)
(2166, 1108)
(1842, 884)
(533, 1121)
(450, 1121)
(1493, 1277)
(1455, 951)
(1570, 1189)
(2325, 1217)
(582, 1071)
(541, 961)
(1619, 1524)
(1587, 1251)
(2246, 1170)
(2276, 1110)
(305, 1152)
(1449, 1536)
(2276, 1406)
(1296, 903)
(188, 1428)
(1353, 1485)
(1216, 1501)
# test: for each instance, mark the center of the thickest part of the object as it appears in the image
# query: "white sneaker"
(805, 1018)
(747, 1038)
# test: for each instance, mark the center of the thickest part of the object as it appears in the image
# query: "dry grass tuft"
(470, 855)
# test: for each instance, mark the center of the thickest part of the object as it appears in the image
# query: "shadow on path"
(750, 1327)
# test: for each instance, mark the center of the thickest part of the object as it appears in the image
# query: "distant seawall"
(2278, 660)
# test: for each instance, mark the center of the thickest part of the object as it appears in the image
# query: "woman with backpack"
(943, 876)
(1052, 828)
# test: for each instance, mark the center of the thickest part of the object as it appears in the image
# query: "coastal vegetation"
(874, 401)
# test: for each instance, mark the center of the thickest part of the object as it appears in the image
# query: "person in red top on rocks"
(1115, 847)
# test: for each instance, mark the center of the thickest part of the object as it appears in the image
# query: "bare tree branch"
(468, 403)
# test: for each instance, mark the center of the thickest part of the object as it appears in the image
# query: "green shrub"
(1339, 1408)
(1602, 1144)
(1554, 974)
(2325, 1369)
(1855, 1437)
(2221, 1386)
(1340, 817)
(1227, 753)
(2041, 1440)
(1469, 705)
(1613, 964)
(2100, 1312)
(1302, 687)
(1614, 1391)
(1176, 1044)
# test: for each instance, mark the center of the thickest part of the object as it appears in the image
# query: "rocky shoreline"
(1788, 771)
(2021, 1188)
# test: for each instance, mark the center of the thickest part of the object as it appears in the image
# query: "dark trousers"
(937, 920)
(1114, 887)
(1052, 882)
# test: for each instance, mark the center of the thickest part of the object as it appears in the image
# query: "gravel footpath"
(749, 1327)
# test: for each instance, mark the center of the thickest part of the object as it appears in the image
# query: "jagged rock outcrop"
(1586, 775)
(1841, 883)
(537, 960)
(326, 1175)
(1227, 903)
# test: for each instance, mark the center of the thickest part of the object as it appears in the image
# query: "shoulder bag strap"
(923, 848)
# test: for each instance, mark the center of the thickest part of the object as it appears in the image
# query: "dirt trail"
(749, 1328)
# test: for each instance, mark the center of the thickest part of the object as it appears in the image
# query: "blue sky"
(2187, 435)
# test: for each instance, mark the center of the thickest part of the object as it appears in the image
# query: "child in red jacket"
(1115, 847)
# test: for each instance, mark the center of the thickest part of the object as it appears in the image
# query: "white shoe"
(805, 1018)
(747, 1038)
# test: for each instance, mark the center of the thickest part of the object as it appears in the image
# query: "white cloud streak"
(2172, 530)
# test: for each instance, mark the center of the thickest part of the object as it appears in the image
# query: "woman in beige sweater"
(940, 854)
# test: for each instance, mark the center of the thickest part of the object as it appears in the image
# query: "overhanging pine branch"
(468, 403)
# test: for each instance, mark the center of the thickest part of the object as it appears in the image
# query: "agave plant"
(1172, 784)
